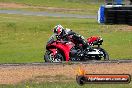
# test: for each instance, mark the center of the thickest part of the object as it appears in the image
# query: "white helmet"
(58, 29)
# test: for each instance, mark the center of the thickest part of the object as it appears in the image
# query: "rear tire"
(105, 54)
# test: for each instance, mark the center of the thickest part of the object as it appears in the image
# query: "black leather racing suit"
(68, 34)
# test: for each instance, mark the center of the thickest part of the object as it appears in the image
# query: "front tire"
(49, 57)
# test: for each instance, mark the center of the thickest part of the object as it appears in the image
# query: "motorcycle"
(59, 50)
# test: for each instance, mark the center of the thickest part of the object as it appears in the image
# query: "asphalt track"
(46, 14)
(66, 63)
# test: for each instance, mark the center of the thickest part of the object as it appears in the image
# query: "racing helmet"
(58, 29)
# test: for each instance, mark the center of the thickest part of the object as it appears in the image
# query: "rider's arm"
(71, 33)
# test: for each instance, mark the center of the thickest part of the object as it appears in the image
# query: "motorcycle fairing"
(64, 48)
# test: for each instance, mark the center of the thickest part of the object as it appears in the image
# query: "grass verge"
(23, 38)
(65, 85)
(58, 6)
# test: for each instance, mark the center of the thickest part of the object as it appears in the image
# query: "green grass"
(23, 38)
(57, 3)
(65, 85)
(84, 6)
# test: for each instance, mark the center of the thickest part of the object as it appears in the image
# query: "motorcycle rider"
(65, 34)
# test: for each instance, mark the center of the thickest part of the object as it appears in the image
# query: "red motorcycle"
(58, 51)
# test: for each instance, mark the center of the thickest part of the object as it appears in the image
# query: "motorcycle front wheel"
(49, 57)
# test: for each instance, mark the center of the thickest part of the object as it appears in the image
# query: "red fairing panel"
(54, 51)
(65, 48)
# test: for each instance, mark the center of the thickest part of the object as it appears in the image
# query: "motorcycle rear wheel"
(105, 54)
(49, 57)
